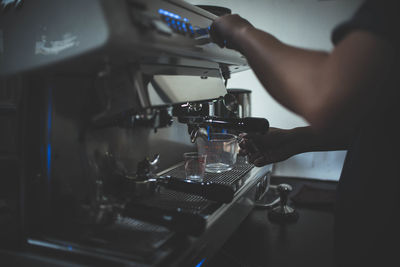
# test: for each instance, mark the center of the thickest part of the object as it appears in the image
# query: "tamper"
(283, 213)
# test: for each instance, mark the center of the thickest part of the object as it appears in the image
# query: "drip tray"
(171, 200)
(229, 177)
(126, 238)
(138, 240)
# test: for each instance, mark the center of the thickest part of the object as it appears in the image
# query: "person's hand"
(225, 30)
(274, 146)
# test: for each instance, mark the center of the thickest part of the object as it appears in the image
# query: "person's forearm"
(335, 89)
(305, 139)
(291, 75)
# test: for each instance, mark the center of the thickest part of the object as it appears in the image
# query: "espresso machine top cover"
(84, 35)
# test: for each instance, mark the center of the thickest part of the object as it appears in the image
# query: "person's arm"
(280, 144)
(328, 89)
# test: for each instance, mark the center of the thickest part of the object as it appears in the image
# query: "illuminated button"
(165, 18)
(169, 14)
(185, 29)
(180, 27)
(173, 25)
(202, 31)
(191, 30)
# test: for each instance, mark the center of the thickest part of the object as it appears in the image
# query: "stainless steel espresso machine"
(98, 101)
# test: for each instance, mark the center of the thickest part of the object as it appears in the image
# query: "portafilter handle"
(245, 125)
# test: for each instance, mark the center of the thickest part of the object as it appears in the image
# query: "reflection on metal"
(6, 3)
(1, 44)
(49, 132)
(200, 263)
(140, 88)
(46, 47)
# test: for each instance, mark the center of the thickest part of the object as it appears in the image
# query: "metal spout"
(198, 132)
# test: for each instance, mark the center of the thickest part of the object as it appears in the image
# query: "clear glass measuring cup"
(221, 150)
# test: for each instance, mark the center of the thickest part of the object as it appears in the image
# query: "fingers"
(249, 144)
(224, 28)
(217, 33)
(243, 152)
(261, 162)
(252, 156)
(257, 159)
(242, 135)
(217, 37)
(262, 158)
(242, 144)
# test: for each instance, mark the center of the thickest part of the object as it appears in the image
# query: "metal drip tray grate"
(126, 237)
(228, 177)
(129, 235)
(167, 199)
(172, 200)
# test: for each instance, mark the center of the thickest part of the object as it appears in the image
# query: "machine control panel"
(182, 25)
(121, 31)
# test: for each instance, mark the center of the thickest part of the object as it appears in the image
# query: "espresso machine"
(98, 101)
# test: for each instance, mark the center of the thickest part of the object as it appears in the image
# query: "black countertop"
(307, 242)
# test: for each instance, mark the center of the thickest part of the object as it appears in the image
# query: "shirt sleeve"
(376, 16)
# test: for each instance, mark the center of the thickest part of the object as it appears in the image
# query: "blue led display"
(180, 24)
(169, 14)
(200, 263)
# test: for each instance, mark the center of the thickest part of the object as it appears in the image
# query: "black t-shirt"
(367, 225)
